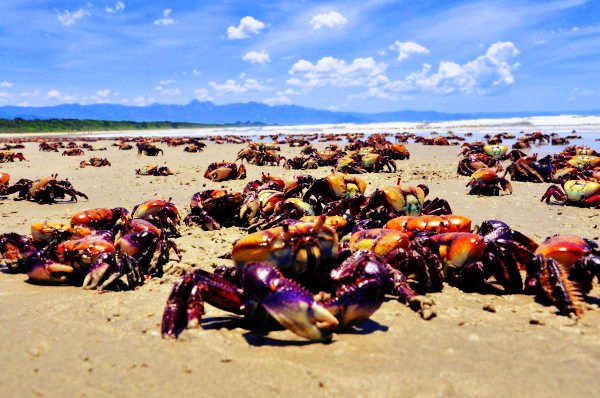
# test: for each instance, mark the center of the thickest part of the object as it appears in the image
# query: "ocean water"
(588, 127)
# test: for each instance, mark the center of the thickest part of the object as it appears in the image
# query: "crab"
(73, 152)
(496, 151)
(45, 190)
(326, 193)
(4, 180)
(10, 156)
(301, 163)
(162, 213)
(222, 171)
(13, 249)
(100, 218)
(486, 182)
(271, 268)
(563, 271)
(213, 208)
(366, 162)
(576, 192)
(95, 261)
(95, 162)
(403, 199)
(527, 169)
(154, 170)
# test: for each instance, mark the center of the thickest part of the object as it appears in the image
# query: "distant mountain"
(207, 112)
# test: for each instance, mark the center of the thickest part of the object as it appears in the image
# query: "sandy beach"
(58, 341)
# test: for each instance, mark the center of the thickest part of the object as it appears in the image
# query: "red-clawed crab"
(563, 271)
(94, 162)
(270, 268)
(45, 190)
(576, 192)
(222, 171)
(487, 182)
(100, 218)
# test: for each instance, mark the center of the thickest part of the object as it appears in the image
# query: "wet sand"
(65, 341)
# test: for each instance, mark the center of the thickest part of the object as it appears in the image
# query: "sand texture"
(62, 341)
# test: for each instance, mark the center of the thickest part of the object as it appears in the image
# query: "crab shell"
(98, 218)
(4, 179)
(345, 186)
(269, 199)
(495, 151)
(152, 208)
(39, 184)
(336, 222)
(580, 161)
(430, 223)
(292, 249)
(460, 248)
(298, 203)
(564, 249)
(380, 241)
(485, 175)
(405, 199)
(81, 253)
(44, 232)
(580, 190)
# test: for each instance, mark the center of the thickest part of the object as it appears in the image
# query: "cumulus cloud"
(483, 75)
(5, 83)
(257, 57)
(247, 26)
(68, 18)
(166, 19)
(279, 100)
(405, 49)
(201, 94)
(375, 92)
(196, 72)
(3, 94)
(166, 82)
(233, 87)
(58, 96)
(103, 93)
(329, 71)
(331, 20)
(34, 93)
(119, 6)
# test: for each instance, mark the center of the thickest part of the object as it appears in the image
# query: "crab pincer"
(291, 305)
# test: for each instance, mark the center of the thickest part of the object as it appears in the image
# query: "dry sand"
(58, 341)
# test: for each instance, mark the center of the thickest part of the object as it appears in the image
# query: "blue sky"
(367, 56)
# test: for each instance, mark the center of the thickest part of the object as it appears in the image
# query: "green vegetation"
(19, 125)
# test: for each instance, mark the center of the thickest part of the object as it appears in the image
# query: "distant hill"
(209, 113)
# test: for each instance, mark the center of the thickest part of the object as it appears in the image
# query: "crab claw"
(290, 305)
(47, 271)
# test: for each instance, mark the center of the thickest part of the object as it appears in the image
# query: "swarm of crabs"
(321, 254)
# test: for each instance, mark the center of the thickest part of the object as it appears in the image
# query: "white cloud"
(68, 18)
(5, 83)
(481, 76)
(3, 94)
(196, 72)
(201, 94)
(579, 92)
(329, 71)
(247, 26)
(167, 92)
(166, 19)
(166, 82)
(58, 96)
(103, 93)
(119, 6)
(141, 101)
(232, 87)
(257, 57)
(331, 20)
(405, 49)
(279, 100)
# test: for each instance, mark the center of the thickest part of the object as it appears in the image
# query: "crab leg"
(185, 304)
(44, 270)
